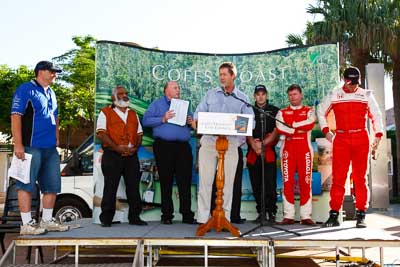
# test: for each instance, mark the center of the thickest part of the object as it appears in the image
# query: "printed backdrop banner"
(144, 72)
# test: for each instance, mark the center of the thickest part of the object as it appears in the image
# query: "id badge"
(53, 119)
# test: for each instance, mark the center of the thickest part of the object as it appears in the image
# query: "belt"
(171, 141)
(351, 130)
(107, 149)
(295, 138)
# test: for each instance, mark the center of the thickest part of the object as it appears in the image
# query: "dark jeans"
(174, 158)
(114, 166)
(237, 190)
(270, 184)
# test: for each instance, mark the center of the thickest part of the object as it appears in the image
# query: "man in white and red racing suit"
(351, 106)
(296, 155)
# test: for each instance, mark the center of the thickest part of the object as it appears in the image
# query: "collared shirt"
(216, 101)
(165, 131)
(39, 111)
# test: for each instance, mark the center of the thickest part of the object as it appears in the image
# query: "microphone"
(225, 92)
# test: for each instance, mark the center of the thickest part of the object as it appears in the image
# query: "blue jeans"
(45, 169)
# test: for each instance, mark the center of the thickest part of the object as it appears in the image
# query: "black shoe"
(105, 224)
(137, 221)
(258, 219)
(238, 220)
(360, 215)
(271, 217)
(187, 221)
(332, 220)
(166, 221)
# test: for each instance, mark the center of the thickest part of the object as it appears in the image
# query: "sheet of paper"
(21, 169)
(180, 107)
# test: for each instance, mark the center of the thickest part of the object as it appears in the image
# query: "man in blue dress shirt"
(173, 154)
(221, 100)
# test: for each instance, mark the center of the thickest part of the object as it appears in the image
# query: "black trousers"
(114, 166)
(237, 190)
(174, 158)
(255, 172)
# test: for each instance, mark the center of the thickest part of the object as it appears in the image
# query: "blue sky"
(33, 30)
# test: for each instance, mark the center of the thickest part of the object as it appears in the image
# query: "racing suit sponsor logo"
(285, 166)
(308, 167)
(360, 95)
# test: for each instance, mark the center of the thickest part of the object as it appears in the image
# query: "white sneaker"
(32, 228)
(53, 226)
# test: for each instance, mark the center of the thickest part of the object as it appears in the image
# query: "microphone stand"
(258, 109)
(263, 115)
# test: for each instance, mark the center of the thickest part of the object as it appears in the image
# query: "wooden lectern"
(218, 220)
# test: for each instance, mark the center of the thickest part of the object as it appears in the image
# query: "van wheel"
(70, 209)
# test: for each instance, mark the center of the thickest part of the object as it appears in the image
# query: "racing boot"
(360, 215)
(332, 220)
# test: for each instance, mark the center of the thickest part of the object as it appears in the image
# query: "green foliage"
(76, 95)
(294, 40)
(10, 79)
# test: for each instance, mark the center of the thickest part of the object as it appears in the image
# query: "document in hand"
(180, 107)
(21, 169)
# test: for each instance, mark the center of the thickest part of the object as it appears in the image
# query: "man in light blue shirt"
(219, 99)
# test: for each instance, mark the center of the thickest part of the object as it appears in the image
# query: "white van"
(77, 185)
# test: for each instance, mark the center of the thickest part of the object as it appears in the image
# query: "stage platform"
(383, 232)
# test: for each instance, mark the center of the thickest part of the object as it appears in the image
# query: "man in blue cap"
(34, 125)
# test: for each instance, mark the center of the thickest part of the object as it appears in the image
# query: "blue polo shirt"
(165, 131)
(39, 112)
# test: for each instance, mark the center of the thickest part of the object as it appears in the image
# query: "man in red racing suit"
(296, 155)
(352, 106)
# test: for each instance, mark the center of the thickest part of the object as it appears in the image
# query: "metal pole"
(156, 254)
(76, 255)
(205, 255)
(55, 253)
(272, 255)
(264, 256)
(337, 257)
(36, 255)
(14, 252)
(381, 256)
(363, 253)
(150, 256)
